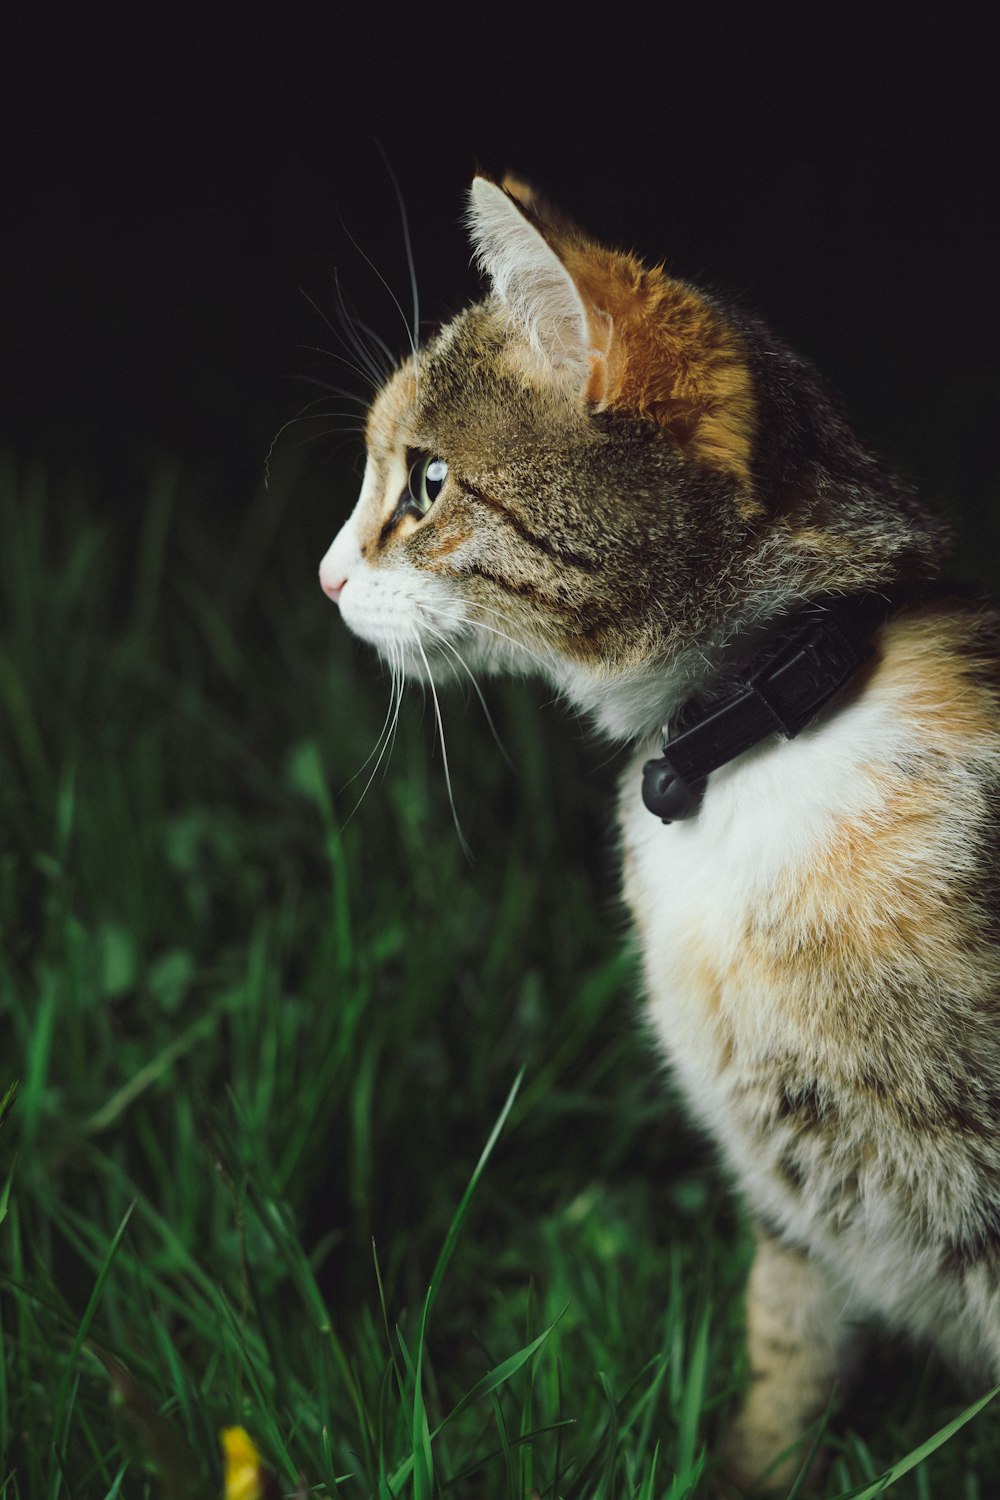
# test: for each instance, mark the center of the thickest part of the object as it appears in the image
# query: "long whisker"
(376, 382)
(406, 241)
(443, 640)
(352, 431)
(399, 700)
(492, 629)
(376, 339)
(319, 416)
(327, 385)
(319, 400)
(396, 697)
(367, 369)
(382, 731)
(392, 294)
(354, 327)
(444, 755)
(324, 416)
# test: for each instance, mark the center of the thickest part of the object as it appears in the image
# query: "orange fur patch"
(938, 682)
(660, 349)
(521, 190)
(881, 900)
(671, 357)
(886, 908)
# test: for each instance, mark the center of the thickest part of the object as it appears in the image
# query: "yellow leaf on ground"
(247, 1475)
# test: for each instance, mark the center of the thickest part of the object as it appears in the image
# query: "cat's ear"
(624, 335)
(528, 276)
(546, 213)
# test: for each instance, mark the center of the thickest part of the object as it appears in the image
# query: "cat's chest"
(716, 897)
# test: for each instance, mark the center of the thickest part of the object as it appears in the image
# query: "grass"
(320, 1129)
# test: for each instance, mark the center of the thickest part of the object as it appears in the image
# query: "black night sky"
(171, 184)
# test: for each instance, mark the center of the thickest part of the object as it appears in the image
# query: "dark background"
(171, 183)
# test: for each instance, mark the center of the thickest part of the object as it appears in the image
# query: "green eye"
(427, 476)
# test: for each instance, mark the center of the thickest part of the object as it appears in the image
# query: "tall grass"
(261, 1036)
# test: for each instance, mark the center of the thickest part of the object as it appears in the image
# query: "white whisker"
(368, 370)
(373, 380)
(409, 332)
(327, 385)
(406, 241)
(376, 339)
(444, 754)
(382, 731)
(399, 699)
(492, 629)
(330, 431)
(386, 739)
(442, 640)
(379, 364)
(353, 327)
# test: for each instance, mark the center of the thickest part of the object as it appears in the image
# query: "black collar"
(806, 661)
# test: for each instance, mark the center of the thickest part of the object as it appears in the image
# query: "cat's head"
(598, 472)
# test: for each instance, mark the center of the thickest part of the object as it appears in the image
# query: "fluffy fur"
(639, 481)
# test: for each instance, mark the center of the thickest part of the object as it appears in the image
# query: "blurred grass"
(257, 1037)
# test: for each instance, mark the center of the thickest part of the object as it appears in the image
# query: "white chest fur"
(696, 888)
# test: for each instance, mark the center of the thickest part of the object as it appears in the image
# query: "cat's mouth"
(428, 632)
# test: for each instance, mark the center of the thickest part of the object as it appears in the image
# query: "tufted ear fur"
(624, 335)
(529, 278)
(545, 213)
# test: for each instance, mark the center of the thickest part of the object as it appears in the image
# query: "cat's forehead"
(426, 383)
(463, 391)
(391, 413)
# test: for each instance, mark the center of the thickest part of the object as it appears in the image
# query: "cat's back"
(819, 942)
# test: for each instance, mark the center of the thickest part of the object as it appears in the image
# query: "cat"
(603, 474)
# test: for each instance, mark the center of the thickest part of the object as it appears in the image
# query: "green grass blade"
(924, 1450)
(423, 1470)
(694, 1397)
(454, 1228)
(685, 1481)
(88, 1315)
(512, 1444)
(496, 1377)
(646, 1491)
(506, 1447)
(814, 1447)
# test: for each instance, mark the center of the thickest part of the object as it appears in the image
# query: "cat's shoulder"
(937, 672)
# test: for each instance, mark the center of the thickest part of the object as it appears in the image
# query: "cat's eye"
(427, 477)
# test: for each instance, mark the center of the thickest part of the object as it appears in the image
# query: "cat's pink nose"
(333, 587)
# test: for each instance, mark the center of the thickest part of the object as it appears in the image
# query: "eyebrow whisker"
(407, 243)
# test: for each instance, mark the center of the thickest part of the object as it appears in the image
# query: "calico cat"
(602, 473)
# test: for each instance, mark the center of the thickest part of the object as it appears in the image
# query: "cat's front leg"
(799, 1343)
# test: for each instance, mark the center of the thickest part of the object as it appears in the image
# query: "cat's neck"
(638, 705)
(634, 705)
(627, 707)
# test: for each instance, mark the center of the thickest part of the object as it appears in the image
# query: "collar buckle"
(781, 691)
